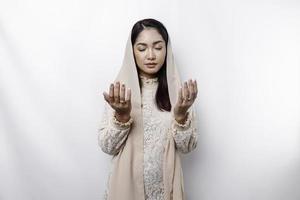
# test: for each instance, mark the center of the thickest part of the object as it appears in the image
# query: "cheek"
(139, 57)
(162, 56)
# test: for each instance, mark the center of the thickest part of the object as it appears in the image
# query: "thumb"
(106, 96)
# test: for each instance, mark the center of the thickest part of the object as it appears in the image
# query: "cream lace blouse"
(112, 136)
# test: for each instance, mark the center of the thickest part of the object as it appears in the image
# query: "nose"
(150, 55)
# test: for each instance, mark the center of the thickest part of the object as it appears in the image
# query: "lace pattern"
(154, 140)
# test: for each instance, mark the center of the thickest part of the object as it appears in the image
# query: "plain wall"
(57, 57)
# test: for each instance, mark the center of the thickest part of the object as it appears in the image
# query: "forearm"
(184, 134)
(112, 133)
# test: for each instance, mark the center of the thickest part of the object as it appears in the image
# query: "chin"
(151, 71)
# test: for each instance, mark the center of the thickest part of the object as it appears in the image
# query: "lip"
(151, 64)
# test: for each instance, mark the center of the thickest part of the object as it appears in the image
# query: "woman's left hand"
(186, 97)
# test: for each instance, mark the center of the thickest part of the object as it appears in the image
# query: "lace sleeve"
(184, 135)
(112, 134)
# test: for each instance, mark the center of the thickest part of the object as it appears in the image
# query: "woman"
(149, 119)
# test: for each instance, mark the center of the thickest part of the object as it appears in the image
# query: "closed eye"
(158, 48)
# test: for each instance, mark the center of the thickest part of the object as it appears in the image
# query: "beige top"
(111, 136)
(126, 181)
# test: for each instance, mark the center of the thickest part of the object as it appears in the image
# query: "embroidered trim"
(186, 123)
(147, 80)
(126, 124)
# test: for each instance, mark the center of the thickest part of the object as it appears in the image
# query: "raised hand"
(116, 99)
(186, 97)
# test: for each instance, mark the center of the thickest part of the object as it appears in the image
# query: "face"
(149, 47)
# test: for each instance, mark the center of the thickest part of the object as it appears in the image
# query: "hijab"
(126, 181)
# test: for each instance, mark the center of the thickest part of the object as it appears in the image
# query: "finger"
(191, 90)
(111, 92)
(186, 92)
(122, 93)
(195, 87)
(117, 92)
(180, 100)
(106, 97)
(128, 96)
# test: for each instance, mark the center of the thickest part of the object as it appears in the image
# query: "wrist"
(181, 119)
(122, 117)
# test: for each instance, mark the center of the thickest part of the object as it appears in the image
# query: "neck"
(147, 75)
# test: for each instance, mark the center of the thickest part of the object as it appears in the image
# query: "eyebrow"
(140, 43)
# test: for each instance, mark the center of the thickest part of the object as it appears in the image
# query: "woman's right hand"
(116, 99)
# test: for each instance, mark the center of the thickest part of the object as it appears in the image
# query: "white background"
(57, 57)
